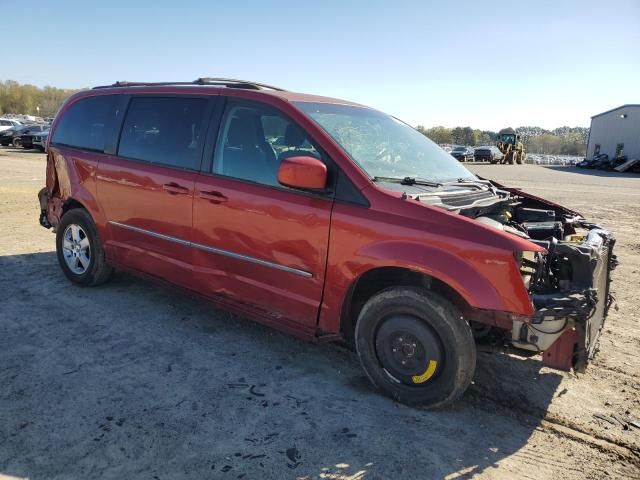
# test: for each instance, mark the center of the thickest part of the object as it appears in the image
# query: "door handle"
(213, 197)
(175, 189)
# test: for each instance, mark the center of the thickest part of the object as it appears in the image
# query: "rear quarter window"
(85, 123)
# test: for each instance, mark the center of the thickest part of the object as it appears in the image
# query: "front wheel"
(80, 251)
(415, 346)
(17, 143)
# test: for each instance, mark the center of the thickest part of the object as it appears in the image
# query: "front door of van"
(258, 244)
(146, 190)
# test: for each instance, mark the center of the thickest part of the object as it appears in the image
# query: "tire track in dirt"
(560, 426)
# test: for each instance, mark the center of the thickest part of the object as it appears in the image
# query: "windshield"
(382, 145)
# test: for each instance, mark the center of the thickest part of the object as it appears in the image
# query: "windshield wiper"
(464, 181)
(408, 181)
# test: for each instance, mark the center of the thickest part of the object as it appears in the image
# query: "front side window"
(84, 124)
(164, 130)
(382, 145)
(254, 139)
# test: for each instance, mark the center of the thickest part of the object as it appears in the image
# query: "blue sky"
(486, 64)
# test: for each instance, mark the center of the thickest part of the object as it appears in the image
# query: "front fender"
(487, 278)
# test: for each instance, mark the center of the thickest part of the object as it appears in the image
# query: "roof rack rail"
(223, 82)
(233, 82)
(125, 83)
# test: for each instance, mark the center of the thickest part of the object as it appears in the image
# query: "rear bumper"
(566, 325)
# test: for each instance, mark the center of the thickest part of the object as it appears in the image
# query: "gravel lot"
(137, 380)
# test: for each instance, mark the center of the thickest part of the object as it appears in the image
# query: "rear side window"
(85, 123)
(169, 131)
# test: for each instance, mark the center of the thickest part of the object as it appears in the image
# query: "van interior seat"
(294, 139)
(246, 153)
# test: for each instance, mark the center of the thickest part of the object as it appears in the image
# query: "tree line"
(31, 100)
(559, 141)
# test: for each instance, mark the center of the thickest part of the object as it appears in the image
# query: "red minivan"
(326, 219)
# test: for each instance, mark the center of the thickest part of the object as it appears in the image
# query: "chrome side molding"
(217, 251)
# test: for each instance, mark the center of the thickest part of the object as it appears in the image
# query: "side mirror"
(303, 172)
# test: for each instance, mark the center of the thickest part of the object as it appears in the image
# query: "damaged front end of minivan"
(568, 281)
(569, 286)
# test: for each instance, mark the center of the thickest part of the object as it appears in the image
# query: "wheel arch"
(379, 278)
(71, 204)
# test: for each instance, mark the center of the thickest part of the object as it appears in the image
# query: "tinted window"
(254, 139)
(5, 123)
(84, 124)
(169, 131)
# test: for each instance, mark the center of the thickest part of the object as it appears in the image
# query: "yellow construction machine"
(511, 147)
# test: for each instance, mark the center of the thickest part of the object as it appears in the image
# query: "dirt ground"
(136, 380)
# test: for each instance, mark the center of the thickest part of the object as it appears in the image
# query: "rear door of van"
(146, 188)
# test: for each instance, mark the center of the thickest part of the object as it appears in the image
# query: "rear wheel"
(415, 346)
(16, 142)
(80, 251)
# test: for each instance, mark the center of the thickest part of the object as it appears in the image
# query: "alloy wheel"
(76, 249)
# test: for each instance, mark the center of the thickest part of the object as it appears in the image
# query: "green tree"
(25, 99)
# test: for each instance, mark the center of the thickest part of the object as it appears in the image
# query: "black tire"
(98, 270)
(437, 331)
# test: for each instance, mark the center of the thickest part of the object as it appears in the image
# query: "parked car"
(7, 136)
(488, 154)
(40, 140)
(26, 139)
(7, 123)
(462, 154)
(12, 135)
(379, 240)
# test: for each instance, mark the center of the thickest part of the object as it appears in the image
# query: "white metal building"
(615, 132)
